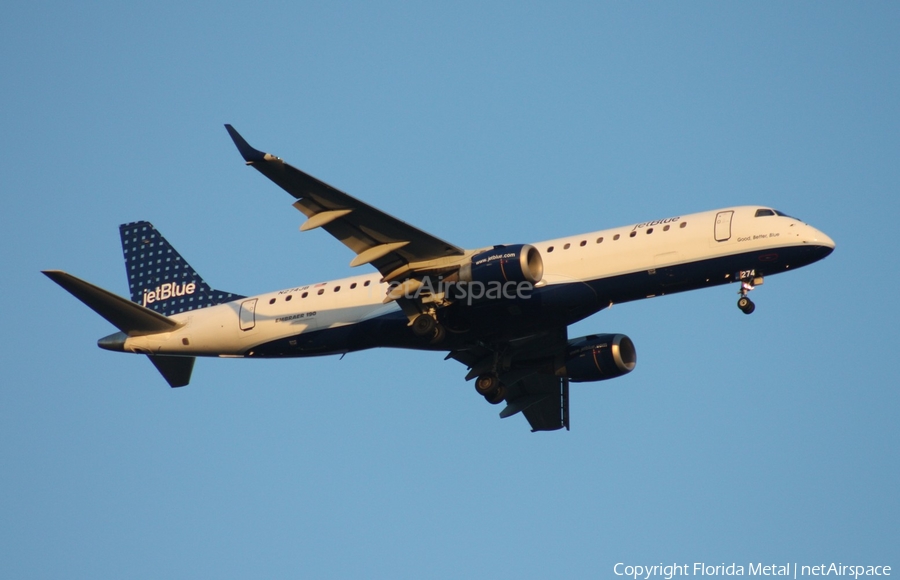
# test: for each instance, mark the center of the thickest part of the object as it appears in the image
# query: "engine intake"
(598, 357)
(516, 263)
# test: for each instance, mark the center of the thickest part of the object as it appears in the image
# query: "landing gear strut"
(748, 283)
(490, 387)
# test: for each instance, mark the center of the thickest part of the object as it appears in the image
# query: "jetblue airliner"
(503, 310)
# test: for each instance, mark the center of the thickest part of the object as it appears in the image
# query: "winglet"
(247, 152)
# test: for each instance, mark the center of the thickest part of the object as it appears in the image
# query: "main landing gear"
(748, 283)
(426, 326)
(490, 387)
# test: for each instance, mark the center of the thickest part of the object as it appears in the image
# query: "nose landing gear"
(749, 281)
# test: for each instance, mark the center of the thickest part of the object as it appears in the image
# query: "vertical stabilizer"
(159, 278)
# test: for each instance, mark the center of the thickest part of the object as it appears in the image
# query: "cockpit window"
(782, 214)
(765, 212)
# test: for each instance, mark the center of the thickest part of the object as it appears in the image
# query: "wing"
(392, 246)
(527, 367)
(543, 399)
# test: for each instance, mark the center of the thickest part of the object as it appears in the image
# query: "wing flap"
(543, 399)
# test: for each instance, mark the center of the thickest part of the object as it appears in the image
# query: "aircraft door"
(248, 314)
(723, 225)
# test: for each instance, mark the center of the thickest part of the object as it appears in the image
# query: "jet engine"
(516, 263)
(598, 357)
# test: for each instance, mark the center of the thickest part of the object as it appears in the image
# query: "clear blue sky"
(772, 437)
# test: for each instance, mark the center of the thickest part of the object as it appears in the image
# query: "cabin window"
(682, 224)
(616, 237)
(367, 283)
(764, 212)
(566, 247)
(352, 286)
(583, 243)
(666, 228)
(272, 301)
(321, 291)
(304, 295)
(337, 288)
(288, 298)
(632, 234)
(649, 230)
(550, 249)
(600, 240)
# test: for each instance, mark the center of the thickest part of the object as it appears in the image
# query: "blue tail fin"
(159, 278)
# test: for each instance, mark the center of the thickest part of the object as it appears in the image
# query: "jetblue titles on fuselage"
(656, 223)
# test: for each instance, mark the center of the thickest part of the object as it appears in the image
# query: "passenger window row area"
(321, 291)
(616, 237)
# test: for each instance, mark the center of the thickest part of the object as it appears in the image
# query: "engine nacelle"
(516, 263)
(598, 357)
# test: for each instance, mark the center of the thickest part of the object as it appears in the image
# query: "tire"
(498, 396)
(439, 333)
(487, 385)
(424, 325)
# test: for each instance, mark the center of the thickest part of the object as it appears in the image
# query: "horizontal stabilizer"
(132, 319)
(175, 369)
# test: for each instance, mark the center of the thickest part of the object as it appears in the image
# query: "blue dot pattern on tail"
(159, 278)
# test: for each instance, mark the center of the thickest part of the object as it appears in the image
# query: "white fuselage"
(235, 328)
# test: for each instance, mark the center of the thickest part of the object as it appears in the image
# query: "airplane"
(501, 310)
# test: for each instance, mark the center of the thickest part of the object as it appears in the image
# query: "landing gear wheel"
(487, 384)
(439, 333)
(497, 396)
(746, 305)
(749, 280)
(424, 325)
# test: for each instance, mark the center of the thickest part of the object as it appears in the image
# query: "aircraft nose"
(821, 239)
